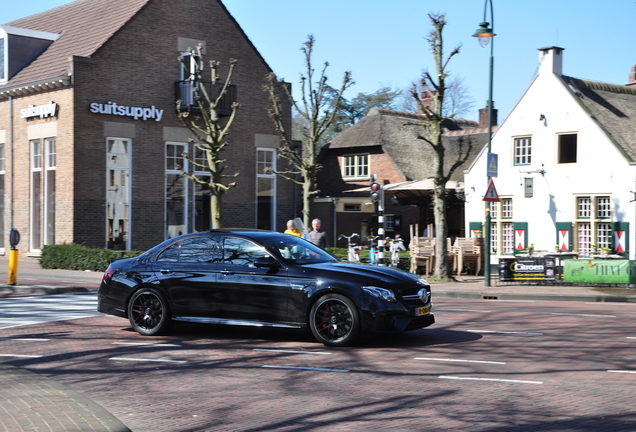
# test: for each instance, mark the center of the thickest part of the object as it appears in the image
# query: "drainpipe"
(10, 203)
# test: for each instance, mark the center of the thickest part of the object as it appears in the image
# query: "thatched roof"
(399, 140)
(613, 107)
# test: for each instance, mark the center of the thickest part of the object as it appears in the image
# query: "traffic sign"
(491, 192)
(493, 163)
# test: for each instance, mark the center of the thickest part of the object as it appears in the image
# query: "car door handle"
(227, 272)
(165, 271)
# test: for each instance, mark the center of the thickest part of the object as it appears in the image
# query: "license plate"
(423, 310)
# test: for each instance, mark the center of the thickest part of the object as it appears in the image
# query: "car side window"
(193, 250)
(241, 252)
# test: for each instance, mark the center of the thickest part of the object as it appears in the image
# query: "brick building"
(381, 144)
(90, 141)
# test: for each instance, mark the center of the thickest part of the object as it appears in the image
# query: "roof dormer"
(19, 47)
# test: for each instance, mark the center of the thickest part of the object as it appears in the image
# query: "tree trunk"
(216, 207)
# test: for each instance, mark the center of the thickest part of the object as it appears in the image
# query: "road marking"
(147, 360)
(458, 360)
(504, 332)
(622, 371)
(491, 379)
(611, 303)
(26, 339)
(292, 352)
(18, 355)
(629, 337)
(145, 344)
(305, 368)
(513, 301)
(584, 315)
(461, 310)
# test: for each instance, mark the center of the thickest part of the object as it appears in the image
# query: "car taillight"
(108, 274)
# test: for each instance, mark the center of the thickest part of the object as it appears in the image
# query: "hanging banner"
(527, 269)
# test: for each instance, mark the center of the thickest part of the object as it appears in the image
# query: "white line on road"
(26, 339)
(458, 360)
(145, 344)
(461, 310)
(146, 360)
(22, 356)
(292, 352)
(305, 368)
(504, 332)
(490, 379)
(584, 315)
(622, 371)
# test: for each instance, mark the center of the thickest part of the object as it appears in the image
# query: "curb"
(541, 297)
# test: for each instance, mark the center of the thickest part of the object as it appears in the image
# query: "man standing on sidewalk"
(316, 236)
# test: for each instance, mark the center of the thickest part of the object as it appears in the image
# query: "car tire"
(334, 320)
(149, 313)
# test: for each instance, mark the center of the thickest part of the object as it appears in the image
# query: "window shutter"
(474, 226)
(521, 235)
(564, 236)
(621, 238)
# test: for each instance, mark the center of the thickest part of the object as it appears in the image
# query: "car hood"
(362, 273)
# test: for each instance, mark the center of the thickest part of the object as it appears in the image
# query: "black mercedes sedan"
(262, 278)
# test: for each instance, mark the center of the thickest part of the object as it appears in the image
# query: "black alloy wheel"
(149, 313)
(334, 320)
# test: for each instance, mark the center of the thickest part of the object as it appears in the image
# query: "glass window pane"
(241, 252)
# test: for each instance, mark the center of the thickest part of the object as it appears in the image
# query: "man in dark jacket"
(316, 236)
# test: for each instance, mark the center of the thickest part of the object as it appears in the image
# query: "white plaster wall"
(600, 166)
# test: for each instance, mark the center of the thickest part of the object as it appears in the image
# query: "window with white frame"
(50, 166)
(355, 166)
(118, 165)
(593, 225)
(501, 227)
(176, 201)
(266, 188)
(523, 151)
(2, 193)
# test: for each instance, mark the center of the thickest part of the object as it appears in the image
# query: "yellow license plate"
(423, 310)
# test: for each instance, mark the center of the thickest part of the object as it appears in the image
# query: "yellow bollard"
(13, 266)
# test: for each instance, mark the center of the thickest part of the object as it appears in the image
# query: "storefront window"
(118, 193)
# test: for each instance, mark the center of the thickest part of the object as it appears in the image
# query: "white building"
(566, 167)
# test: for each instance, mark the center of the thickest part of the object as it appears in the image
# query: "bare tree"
(457, 99)
(210, 129)
(318, 109)
(436, 88)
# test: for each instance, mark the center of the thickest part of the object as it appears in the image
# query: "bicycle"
(353, 252)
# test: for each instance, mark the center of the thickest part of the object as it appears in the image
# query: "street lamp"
(485, 33)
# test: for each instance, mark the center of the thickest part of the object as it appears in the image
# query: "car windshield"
(298, 251)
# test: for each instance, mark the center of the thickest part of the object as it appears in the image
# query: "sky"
(383, 44)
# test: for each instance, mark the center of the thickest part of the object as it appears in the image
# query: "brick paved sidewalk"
(33, 402)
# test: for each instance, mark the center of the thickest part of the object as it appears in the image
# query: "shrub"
(78, 257)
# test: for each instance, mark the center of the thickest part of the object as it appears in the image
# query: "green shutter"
(474, 226)
(564, 235)
(620, 238)
(521, 240)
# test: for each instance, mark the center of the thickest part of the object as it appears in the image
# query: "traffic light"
(376, 191)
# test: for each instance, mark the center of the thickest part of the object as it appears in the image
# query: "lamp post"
(485, 33)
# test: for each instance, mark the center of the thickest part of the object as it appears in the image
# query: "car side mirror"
(266, 261)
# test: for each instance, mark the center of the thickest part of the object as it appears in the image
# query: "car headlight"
(380, 293)
(422, 281)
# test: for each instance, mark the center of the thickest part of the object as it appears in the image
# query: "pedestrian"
(316, 236)
(291, 229)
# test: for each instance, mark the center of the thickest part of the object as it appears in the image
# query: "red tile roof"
(84, 26)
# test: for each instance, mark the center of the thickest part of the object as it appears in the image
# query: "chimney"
(483, 116)
(551, 60)
(427, 100)
(632, 77)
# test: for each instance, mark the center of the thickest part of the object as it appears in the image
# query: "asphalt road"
(485, 366)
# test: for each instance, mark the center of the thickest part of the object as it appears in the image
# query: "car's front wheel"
(334, 320)
(149, 313)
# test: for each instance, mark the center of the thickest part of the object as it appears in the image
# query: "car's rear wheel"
(334, 320)
(149, 313)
